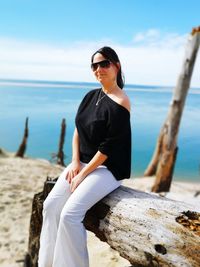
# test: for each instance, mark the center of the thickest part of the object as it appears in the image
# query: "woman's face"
(107, 72)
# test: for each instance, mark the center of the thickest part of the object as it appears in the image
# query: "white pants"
(63, 237)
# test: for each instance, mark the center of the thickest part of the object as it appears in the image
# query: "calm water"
(47, 103)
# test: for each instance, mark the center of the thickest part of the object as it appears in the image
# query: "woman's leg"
(52, 208)
(71, 248)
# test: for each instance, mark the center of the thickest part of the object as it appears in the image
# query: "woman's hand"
(75, 168)
(76, 181)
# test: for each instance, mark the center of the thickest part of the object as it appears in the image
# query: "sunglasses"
(103, 64)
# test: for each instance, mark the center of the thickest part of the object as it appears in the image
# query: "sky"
(54, 40)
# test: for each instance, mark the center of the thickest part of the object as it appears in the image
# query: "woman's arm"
(75, 164)
(95, 162)
(75, 146)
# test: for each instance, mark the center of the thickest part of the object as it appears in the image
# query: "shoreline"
(22, 178)
(5, 153)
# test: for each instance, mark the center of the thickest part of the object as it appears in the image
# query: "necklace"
(100, 98)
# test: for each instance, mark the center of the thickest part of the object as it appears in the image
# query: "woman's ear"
(118, 65)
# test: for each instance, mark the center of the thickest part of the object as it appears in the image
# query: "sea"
(46, 103)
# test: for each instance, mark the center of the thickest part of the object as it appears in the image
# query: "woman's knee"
(70, 216)
(49, 206)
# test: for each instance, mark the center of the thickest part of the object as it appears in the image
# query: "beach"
(22, 178)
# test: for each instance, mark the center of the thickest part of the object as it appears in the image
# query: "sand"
(20, 179)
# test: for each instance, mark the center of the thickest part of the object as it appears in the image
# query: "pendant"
(99, 98)
(97, 103)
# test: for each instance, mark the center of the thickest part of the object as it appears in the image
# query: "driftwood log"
(145, 228)
(163, 160)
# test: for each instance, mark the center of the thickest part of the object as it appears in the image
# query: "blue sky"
(53, 40)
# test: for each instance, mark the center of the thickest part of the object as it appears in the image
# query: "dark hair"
(110, 54)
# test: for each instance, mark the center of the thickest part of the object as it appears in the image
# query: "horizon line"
(7, 81)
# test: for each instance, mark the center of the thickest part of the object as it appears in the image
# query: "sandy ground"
(21, 179)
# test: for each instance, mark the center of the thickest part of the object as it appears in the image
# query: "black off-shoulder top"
(106, 128)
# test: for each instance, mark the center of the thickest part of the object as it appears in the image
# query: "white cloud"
(152, 59)
(155, 38)
(151, 34)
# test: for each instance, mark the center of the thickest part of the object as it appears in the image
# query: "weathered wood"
(60, 155)
(146, 229)
(163, 182)
(163, 160)
(22, 147)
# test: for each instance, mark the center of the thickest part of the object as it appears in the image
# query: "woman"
(101, 158)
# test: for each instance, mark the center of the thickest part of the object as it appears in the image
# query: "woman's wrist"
(84, 172)
(74, 159)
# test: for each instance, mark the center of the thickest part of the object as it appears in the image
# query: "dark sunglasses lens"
(105, 64)
(94, 66)
(102, 64)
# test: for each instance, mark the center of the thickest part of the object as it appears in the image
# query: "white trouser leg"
(52, 208)
(69, 235)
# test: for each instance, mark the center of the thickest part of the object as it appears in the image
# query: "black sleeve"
(118, 134)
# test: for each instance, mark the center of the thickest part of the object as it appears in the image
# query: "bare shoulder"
(125, 101)
(121, 98)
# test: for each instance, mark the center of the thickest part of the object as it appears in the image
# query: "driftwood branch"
(163, 160)
(60, 155)
(146, 229)
(22, 148)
